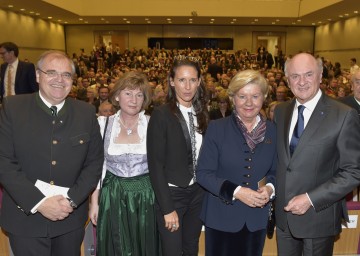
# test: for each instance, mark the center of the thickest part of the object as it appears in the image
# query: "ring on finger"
(173, 225)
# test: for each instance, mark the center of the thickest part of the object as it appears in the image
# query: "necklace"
(129, 130)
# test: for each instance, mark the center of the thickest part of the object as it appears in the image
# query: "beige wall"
(33, 36)
(339, 41)
(81, 36)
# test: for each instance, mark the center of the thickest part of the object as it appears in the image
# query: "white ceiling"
(187, 12)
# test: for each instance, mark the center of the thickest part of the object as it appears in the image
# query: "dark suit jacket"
(216, 114)
(325, 165)
(350, 101)
(225, 162)
(66, 149)
(169, 154)
(25, 78)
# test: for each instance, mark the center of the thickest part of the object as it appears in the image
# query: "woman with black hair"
(174, 139)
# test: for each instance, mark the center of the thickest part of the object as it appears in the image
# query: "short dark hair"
(10, 46)
(102, 87)
(353, 60)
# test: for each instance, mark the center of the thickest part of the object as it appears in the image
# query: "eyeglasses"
(54, 74)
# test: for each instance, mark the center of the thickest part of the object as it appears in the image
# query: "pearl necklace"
(129, 130)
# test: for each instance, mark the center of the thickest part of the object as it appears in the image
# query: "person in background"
(317, 166)
(103, 93)
(224, 106)
(16, 76)
(50, 161)
(237, 168)
(270, 110)
(125, 216)
(106, 109)
(174, 140)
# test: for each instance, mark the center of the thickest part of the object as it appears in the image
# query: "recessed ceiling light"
(128, 21)
(277, 20)
(59, 20)
(293, 23)
(146, 19)
(256, 20)
(212, 19)
(102, 19)
(356, 12)
(319, 22)
(298, 20)
(31, 12)
(329, 19)
(49, 17)
(168, 19)
(346, 14)
(313, 24)
(37, 14)
(86, 22)
(252, 22)
(190, 22)
(66, 22)
(22, 9)
(81, 19)
(124, 18)
(190, 19)
(211, 22)
(232, 22)
(10, 6)
(273, 23)
(234, 19)
(340, 16)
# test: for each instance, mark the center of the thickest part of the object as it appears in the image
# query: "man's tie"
(53, 110)
(298, 130)
(193, 141)
(9, 80)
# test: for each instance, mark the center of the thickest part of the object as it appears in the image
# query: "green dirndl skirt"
(126, 220)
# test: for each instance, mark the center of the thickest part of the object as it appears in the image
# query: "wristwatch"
(72, 203)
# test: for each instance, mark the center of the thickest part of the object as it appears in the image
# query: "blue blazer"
(226, 162)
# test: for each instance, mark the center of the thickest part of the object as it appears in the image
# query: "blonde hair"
(243, 78)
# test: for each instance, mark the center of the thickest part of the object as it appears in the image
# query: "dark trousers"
(184, 241)
(244, 242)
(288, 245)
(68, 244)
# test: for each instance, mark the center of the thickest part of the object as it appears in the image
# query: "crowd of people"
(183, 138)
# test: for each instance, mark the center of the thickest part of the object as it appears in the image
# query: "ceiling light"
(37, 14)
(190, 22)
(277, 20)
(31, 12)
(293, 23)
(59, 20)
(346, 14)
(81, 19)
(86, 22)
(128, 21)
(329, 19)
(190, 19)
(102, 19)
(65, 22)
(211, 22)
(273, 23)
(340, 16)
(107, 21)
(212, 19)
(49, 17)
(146, 19)
(356, 12)
(232, 22)
(313, 24)
(124, 18)
(234, 19)
(319, 22)
(252, 22)
(22, 9)
(298, 20)
(168, 19)
(256, 20)
(10, 6)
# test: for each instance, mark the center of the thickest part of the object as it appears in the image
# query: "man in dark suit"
(17, 77)
(51, 157)
(103, 93)
(324, 166)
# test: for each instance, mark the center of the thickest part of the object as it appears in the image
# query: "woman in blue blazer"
(237, 168)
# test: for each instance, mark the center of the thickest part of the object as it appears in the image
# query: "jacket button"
(81, 142)
(55, 142)
(52, 182)
(53, 162)
(248, 167)
(247, 175)
(246, 183)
